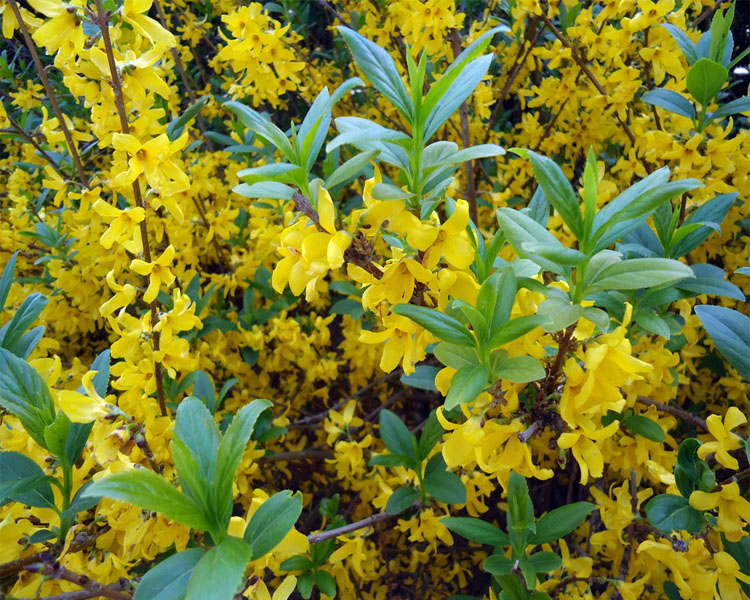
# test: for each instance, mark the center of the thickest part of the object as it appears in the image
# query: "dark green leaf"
(27, 313)
(670, 100)
(639, 273)
(230, 452)
(455, 356)
(519, 369)
(400, 500)
(545, 562)
(24, 393)
(516, 328)
(520, 508)
(498, 564)
(326, 583)
(439, 324)
(730, 331)
(395, 435)
(686, 474)
(423, 378)
(467, 384)
(558, 191)
(24, 481)
(391, 460)
(220, 571)
(149, 491)
(476, 530)
(6, 280)
(272, 521)
(431, 435)
(669, 513)
(169, 579)
(296, 563)
(560, 522)
(177, 126)
(645, 427)
(441, 484)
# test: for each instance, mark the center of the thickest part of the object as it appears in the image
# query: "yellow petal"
(326, 212)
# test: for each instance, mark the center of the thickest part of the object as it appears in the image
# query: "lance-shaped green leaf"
(230, 452)
(737, 106)
(521, 229)
(477, 530)
(350, 168)
(671, 101)
(730, 331)
(560, 522)
(455, 356)
(220, 571)
(169, 579)
(519, 369)
(378, 66)
(177, 125)
(467, 384)
(6, 280)
(496, 297)
(266, 189)
(668, 513)
(439, 324)
(147, 490)
(264, 129)
(24, 393)
(396, 435)
(684, 42)
(27, 313)
(442, 484)
(515, 328)
(639, 273)
(24, 481)
(558, 191)
(272, 521)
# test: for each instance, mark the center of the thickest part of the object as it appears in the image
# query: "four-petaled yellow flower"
(158, 272)
(725, 439)
(733, 508)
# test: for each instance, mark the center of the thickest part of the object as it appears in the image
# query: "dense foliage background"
(192, 219)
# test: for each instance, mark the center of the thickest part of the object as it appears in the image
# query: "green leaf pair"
(434, 479)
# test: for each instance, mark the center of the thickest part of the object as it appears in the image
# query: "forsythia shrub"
(357, 299)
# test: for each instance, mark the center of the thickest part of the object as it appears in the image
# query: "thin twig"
(315, 538)
(306, 454)
(677, 412)
(52, 568)
(329, 7)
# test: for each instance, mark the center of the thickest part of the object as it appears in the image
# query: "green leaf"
(684, 42)
(27, 313)
(555, 253)
(56, 434)
(296, 563)
(462, 87)
(6, 280)
(24, 481)
(669, 513)
(265, 189)
(496, 297)
(686, 471)
(431, 435)
(558, 191)
(24, 393)
(391, 460)
(671, 101)
(477, 530)
(520, 229)
(498, 564)
(396, 436)
(423, 378)
(196, 442)
(401, 499)
(81, 502)
(378, 66)
(520, 508)
(545, 562)
(230, 452)
(278, 172)
(560, 313)
(516, 328)
(177, 126)
(736, 106)
(272, 521)
(220, 571)
(645, 427)
(263, 128)
(560, 522)
(149, 491)
(704, 80)
(713, 211)
(730, 331)
(350, 169)
(443, 485)
(467, 384)
(654, 324)
(455, 356)
(439, 324)
(326, 583)
(519, 369)
(169, 579)
(387, 191)
(639, 273)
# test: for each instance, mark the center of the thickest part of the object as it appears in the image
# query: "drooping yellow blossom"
(725, 439)
(158, 272)
(80, 408)
(733, 508)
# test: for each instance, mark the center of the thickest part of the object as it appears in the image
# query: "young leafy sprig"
(517, 574)
(431, 474)
(424, 170)
(206, 463)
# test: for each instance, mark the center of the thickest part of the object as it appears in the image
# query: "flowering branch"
(52, 568)
(677, 412)
(315, 538)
